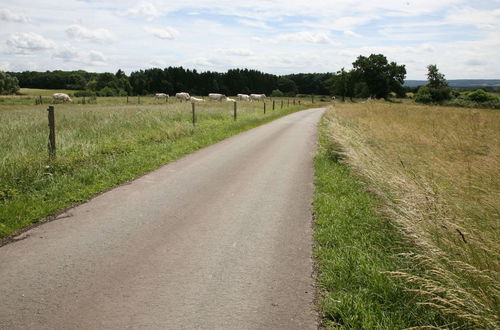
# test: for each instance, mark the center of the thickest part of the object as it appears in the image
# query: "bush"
(8, 84)
(480, 95)
(466, 103)
(277, 93)
(423, 95)
(86, 93)
(427, 94)
(107, 91)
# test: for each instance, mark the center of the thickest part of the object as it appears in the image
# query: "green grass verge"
(73, 177)
(355, 247)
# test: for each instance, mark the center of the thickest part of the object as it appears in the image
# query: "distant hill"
(460, 83)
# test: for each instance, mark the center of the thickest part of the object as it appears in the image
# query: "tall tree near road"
(380, 76)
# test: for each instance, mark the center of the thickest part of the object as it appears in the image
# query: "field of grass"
(436, 173)
(355, 247)
(100, 146)
(30, 96)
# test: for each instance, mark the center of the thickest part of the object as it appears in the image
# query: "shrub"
(428, 94)
(423, 95)
(277, 93)
(107, 91)
(86, 93)
(480, 95)
(8, 84)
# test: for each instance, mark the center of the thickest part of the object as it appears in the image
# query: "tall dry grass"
(437, 170)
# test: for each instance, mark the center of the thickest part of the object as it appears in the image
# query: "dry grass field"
(437, 172)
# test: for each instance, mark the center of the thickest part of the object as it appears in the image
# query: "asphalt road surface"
(220, 239)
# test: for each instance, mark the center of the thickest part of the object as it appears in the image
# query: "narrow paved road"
(220, 239)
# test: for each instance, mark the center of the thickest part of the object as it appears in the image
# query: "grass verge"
(356, 249)
(99, 148)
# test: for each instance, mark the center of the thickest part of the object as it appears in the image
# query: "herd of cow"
(213, 96)
(183, 97)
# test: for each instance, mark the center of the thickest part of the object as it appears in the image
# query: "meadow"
(434, 175)
(101, 145)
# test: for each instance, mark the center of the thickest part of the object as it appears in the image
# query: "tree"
(436, 90)
(435, 78)
(380, 76)
(8, 84)
(287, 86)
(342, 84)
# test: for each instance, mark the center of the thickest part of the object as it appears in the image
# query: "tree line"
(370, 76)
(174, 79)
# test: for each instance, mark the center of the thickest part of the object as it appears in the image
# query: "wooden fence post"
(41, 100)
(288, 103)
(281, 104)
(273, 104)
(194, 113)
(299, 102)
(127, 99)
(264, 107)
(52, 132)
(312, 98)
(294, 101)
(235, 109)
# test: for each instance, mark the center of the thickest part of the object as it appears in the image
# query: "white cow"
(161, 96)
(182, 96)
(230, 100)
(216, 96)
(61, 97)
(243, 97)
(257, 97)
(195, 99)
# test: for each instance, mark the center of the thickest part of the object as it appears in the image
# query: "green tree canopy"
(8, 84)
(380, 76)
(436, 90)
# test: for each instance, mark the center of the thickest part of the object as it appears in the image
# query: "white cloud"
(350, 33)
(66, 54)
(254, 23)
(238, 52)
(96, 57)
(79, 32)
(145, 10)
(27, 43)
(308, 37)
(7, 15)
(475, 62)
(79, 56)
(168, 33)
(483, 19)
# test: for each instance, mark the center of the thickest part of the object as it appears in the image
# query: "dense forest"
(176, 79)
(370, 76)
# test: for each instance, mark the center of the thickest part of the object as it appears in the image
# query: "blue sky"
(280, 36)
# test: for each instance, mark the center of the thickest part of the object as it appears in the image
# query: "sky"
(279, 36)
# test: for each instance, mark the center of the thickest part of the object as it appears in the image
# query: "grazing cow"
(230, 100)
(216, 96)
(61, 97)
(161, 96)
(195, 99)
(257, 97)
(182, 96)
(243, 97)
